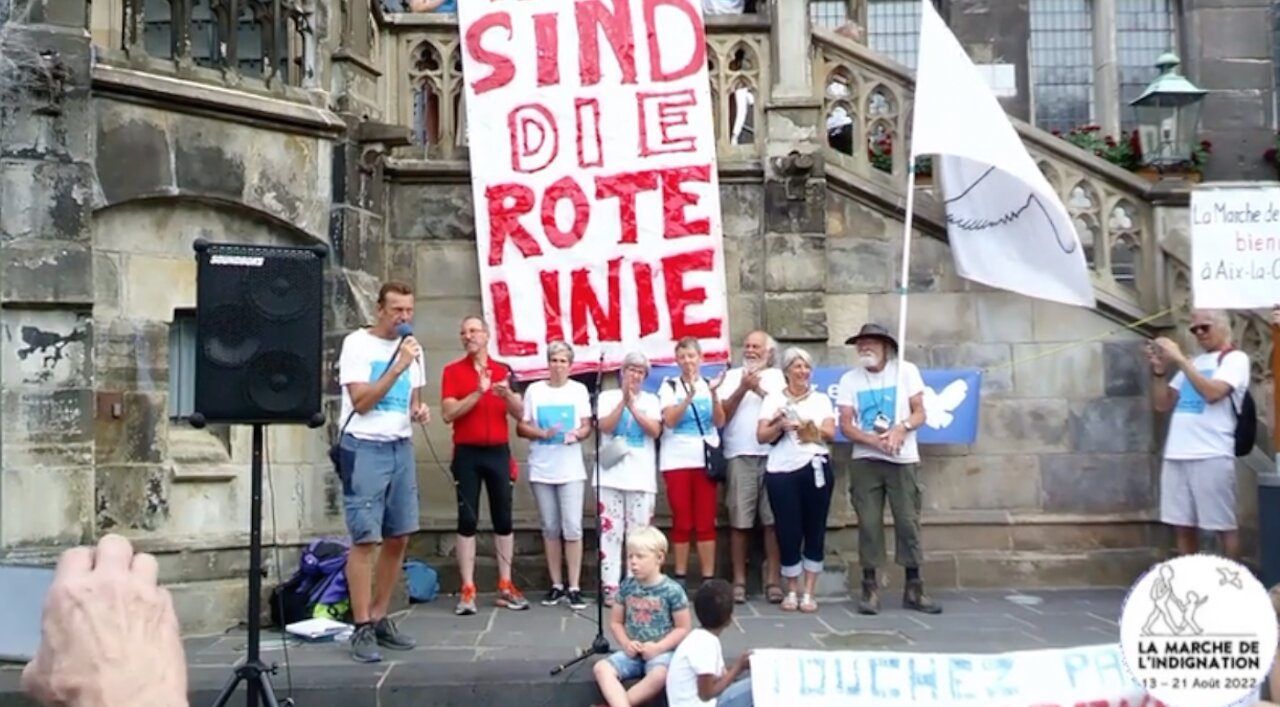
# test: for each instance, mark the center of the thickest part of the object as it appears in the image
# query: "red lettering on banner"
(507, 203)
(535, 139)
(699, 58)
(590, 142)
(565, 188)
(588, 306)
(508, 344)
(584, 302)
(680, 297)
(551, 304)
(665, 110)
(625, 187)
(503, 68)
(645, 299)
(592, 17)
(546, 37)
(675, 200)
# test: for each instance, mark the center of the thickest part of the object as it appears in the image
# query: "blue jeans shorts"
(379, 488)
(635, 668)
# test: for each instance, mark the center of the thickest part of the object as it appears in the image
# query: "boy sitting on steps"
(697, 676)
(650, 617)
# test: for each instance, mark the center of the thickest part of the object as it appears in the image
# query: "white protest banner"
(593, 170)
(1235, 246)
(1088, 676)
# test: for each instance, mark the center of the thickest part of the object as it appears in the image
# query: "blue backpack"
(318, 589)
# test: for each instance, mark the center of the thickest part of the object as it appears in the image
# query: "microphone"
(405, 330)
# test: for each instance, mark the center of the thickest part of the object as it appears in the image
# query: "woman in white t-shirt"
(557, 417)
(799, 422)
(691, 414)
(630, 421)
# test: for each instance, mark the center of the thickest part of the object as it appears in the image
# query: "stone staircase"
(1135, 232)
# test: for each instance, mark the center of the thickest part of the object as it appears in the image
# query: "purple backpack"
(318, 588)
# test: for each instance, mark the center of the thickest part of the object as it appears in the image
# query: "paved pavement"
(501, 657)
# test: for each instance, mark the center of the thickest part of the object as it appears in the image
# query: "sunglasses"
(1200, 329)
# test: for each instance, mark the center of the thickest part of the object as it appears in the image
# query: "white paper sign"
(1235, 247)
(593, 170)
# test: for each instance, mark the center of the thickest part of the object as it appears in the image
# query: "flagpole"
(902, 286)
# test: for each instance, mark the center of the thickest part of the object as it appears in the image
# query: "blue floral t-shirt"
(649, 612)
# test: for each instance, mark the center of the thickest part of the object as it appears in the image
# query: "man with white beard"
(882, 426)
(745, 496)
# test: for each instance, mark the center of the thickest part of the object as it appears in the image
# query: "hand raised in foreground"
(109, 636)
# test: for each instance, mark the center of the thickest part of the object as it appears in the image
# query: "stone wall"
(166, 179)
(1059, 488)
(1229, 46)
(46, 284)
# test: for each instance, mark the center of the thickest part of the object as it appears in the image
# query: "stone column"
(1106, 67)
(794, 264)
(46, 276)
(1228, 51)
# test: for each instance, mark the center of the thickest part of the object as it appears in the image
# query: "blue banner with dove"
(952, 399)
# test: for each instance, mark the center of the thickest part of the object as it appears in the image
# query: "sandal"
(739, 594)
(808, 605)
(774, 594)
(789, 603)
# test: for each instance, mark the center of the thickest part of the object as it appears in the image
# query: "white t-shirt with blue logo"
(1198, 429)
(638, 471)
(551, 461)
(873, 395)
(681, 446)
(364, 359)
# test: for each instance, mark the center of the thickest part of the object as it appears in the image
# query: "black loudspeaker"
(259, 334)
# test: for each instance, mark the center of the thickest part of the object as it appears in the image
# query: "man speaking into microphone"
(381, 376)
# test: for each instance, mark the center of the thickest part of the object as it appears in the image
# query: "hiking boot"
(555, 596)
(390, 637)
(869, 603)
(575, 599)
(510, 598)
(914, 598)
(364, 645)
(466, 601)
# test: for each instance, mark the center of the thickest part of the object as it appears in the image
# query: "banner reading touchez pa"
(593, 171)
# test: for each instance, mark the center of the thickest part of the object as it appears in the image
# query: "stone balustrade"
(867, 102)
(422, 63)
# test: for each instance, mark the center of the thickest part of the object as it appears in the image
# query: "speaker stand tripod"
(253, 672)
(599, 646)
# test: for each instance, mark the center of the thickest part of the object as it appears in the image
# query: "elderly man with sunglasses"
(1198, 476)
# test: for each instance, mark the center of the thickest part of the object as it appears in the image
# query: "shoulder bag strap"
(693, 406)
(1231, 397)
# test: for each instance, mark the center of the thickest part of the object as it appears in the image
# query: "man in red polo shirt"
(477, 400)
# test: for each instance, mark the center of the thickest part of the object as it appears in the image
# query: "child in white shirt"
(697, 675)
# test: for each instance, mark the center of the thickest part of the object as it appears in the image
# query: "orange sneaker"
(466, 601)
(510, 598)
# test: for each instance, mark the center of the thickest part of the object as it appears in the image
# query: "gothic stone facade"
(107, 179)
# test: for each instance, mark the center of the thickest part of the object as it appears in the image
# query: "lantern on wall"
(1168, 116)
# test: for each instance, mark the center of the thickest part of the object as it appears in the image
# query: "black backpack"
(1246, 418)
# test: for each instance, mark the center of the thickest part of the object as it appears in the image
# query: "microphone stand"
(600, 645)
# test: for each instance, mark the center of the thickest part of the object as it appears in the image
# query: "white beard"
(869, 361)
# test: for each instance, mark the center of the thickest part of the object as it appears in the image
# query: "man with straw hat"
(882, 426)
